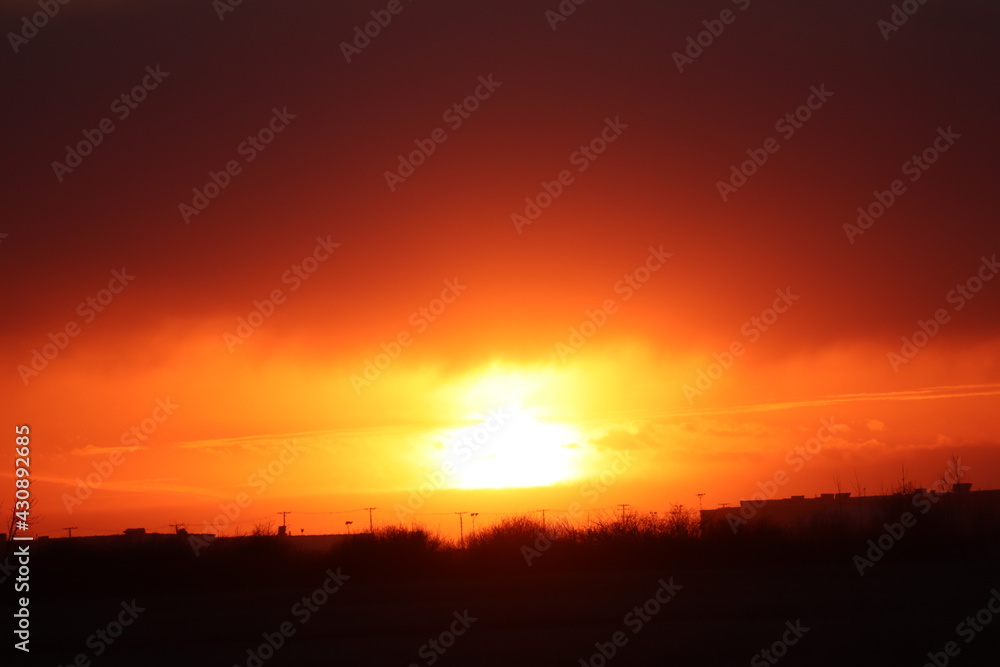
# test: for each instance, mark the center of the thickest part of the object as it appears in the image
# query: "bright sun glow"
(510, 448)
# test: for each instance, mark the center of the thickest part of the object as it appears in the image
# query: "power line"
(461, 530)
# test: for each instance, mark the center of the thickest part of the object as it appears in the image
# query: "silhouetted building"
(829, 512)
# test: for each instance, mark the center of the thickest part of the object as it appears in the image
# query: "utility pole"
(543, 517)
(699, 501)
(176, 526)
(284, 524)
(461, 530)
(474, 515)
(623, 506)
(71, 529)
(371, 526)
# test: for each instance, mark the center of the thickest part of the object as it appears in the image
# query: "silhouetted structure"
(963, 508)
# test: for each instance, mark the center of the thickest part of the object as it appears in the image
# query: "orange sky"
(640, 329)
(611, 425)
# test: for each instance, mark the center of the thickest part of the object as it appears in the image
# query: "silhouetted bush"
(391, 550)
(515, 545)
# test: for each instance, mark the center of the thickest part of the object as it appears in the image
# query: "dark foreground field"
(724, 606)
(720, 617)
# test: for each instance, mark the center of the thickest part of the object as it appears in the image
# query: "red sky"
(514, 292)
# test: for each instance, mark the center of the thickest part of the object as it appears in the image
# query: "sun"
(510, 448)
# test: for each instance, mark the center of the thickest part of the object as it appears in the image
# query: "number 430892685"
(22, 470)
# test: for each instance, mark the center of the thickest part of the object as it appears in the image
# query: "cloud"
(875, 425)
(94, 450)
(641, 434)
(162, 485)
(923, 394)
